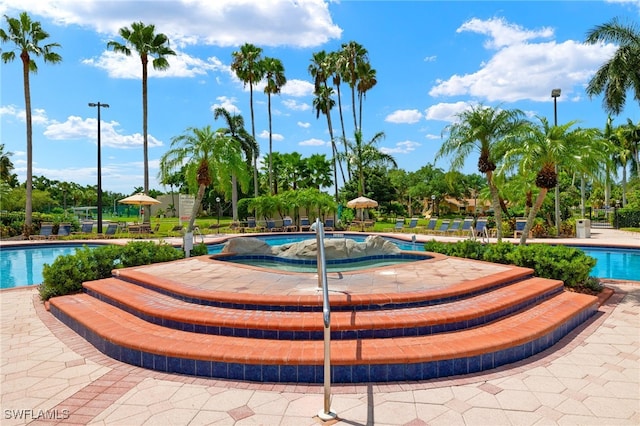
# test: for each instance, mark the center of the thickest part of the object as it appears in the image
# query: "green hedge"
(67, 273)
(568, 264)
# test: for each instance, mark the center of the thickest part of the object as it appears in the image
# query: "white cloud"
(404, 147)
(301, 23)
(304, 125)
(78, 128)
(295, 105)
(276, 136)
(408, 116)
(297, 88)
(431, 58)
(227, 103)
(521, 70)
(446, 111)
(314, 142)
(38, 115)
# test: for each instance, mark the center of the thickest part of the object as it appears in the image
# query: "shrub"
(199, 249)
(67, 273)
(470, 249)
(498, 253)
(558, 262)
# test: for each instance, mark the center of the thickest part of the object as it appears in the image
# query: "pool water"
(331, 267)
(621, 264)
(22, 266)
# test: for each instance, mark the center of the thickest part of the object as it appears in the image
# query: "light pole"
(555, 93)
(433, 205)
(99, 105)
(218, 201)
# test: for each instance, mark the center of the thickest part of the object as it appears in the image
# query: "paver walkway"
(47, 371)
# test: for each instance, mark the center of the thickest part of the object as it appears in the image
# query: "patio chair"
(454, 227)
(271, 226)
(305, 225)
(480, 230)
(329, 224)
(467, 227)
(252, 225)
(431, 226)
(288, 225)
(64, 230)
(444, 225)
(519, 228)
(369, 224)
(46, 229)
(85, 228)
(412, 225)
(399, 225)
(110, 232)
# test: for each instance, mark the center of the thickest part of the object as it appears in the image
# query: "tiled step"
(285, 325)
(313, 302)
(128, 338)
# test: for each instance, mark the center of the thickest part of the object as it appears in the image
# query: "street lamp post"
(433, 205)
(99, 105)
(218, 201)
(555, 93)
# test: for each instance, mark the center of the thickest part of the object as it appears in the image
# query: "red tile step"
(174, 313)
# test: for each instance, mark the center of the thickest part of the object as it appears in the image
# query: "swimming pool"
(22, 265)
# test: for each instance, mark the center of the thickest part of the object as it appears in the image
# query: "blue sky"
(433, 59)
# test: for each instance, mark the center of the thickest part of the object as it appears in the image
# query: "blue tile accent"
(236, 371)
(271, 373)
(460, 366)
(474, 364)
(379, 372)
(160, 363)
(220, 370)
(289, 373)
(188, 366)
(445, 368)
(253, 373)
(341, 374)
(430, 370)
(173, 365)
(147, 360)
(203, 368)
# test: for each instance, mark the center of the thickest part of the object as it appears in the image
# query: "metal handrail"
(326, 413)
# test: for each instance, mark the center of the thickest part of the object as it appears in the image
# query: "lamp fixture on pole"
(99, 105)
(555, 93)
(218, 201)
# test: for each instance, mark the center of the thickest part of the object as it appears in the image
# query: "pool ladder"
(325, 414)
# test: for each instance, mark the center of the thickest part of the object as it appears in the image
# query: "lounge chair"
(328, 224)
(64, 230)
(480, 230)
(444, 225)
(519, 229)
(46, 230)
(288, 225)
(412, 225)
(110, 232)
(369, 224)
(467, 227)
(252, 225)
(305, 225)
(454, 227)
(85, 228)
(431, 226)
(271, 226)
(399, 225)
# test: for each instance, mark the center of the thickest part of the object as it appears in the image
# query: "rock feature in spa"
(335, 248)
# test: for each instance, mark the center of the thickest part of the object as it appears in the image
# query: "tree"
(237, 135)
(6, 166)
(542, 147)
(480, 128)
(366, 81)
(205, 154)
(355, 54)
(274, 74)
(27, 37)
(246, 65)
(144, 40)
(620, 73)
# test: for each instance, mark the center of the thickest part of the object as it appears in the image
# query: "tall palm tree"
(365, 155)
(620, 73)
(631, 133)
(208, 157)
(337, 67)
(27, 37)
(366, 81)
(480, 129)
(274, 74)
(355, 54)
(542, 147)
(323, 103)
(238, 135)
(144, 40)
(246, 65)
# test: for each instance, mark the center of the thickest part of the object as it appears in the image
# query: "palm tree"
(366, 81)
(205, 154)
(144, 40)
(246, 65)
(6, 166)
(337, 67)
(543, 148)
(365, 155)
(27, 36)
(620, 73)
(480, 129)
(274, 74)
(355, 54)
(238, 135)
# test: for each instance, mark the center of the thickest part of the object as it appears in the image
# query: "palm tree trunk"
(495, 203)
(344, 134)
(196, 207)
(532, 215)
(583, 195)
(253, 134)
(624, 185)
(270, 146)
(145, 143)
(28, 208)
(234, 197)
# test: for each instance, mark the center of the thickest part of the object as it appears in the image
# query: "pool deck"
(591, 377)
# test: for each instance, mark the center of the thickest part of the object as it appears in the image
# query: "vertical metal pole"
(99, 105)
(557, 190)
